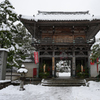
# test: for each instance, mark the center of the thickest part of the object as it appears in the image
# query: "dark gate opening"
(45, 67)
(82, 69)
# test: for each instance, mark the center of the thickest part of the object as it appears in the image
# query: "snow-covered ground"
(64, 74)
(38, 92)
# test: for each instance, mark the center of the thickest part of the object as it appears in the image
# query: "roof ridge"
(61, 12)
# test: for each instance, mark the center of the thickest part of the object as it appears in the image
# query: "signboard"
(36, 57)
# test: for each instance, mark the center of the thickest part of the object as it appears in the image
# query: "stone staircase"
(63, 82)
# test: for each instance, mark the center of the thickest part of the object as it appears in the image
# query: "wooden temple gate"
(62, 38)
(70, 53)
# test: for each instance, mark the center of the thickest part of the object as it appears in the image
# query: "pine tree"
(13, 36)
(23, 43)
(95, 52)
(7, 20)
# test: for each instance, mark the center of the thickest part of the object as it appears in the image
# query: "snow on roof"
(28, 17)
(22, 70)
(43, 15)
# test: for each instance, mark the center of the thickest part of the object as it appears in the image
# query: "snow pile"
(4, 81)
(64, 74)
(38, 92)
(87, 93)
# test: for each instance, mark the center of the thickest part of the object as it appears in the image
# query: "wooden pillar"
(53, 65)
(34, 29)
(89, 63)
(38, 65)
(73, 64)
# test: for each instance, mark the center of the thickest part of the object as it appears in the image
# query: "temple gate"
(63, 35)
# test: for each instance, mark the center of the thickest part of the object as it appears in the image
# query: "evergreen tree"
(96, 52)
(13, 36)
(22, 41)
(7, 21)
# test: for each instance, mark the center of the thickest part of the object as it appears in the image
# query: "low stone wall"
(4, 83)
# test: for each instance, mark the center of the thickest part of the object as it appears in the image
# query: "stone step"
(46, 81)
(63, 85)
(63, 82)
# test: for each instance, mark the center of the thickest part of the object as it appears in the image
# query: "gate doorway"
(63, 68)
(46, 66)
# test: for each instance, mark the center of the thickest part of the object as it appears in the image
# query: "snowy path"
(61, 93)
(33, 92)
(38, 92)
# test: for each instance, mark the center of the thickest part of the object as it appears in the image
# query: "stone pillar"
(22, 80)
(3, 63)
(73, 64)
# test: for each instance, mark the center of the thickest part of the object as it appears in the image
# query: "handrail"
(61, 41)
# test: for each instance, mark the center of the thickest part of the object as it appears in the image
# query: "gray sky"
(31, 7)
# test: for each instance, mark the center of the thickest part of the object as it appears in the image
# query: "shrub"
(44, 75)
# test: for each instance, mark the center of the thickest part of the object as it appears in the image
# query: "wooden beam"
(58, 56)
(81, 56)
(63, 23)
(49, 56)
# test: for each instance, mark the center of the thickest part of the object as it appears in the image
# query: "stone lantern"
(22, 71)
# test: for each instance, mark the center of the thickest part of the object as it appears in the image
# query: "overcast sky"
(31, 7)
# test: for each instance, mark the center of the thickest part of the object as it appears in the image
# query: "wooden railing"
(64, 41)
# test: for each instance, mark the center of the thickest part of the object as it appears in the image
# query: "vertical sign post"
(36, 59)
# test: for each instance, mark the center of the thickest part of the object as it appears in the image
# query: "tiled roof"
(62, 16)
(62, 13)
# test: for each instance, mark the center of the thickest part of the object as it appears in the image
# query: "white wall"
(93, 70)
(30, 66)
